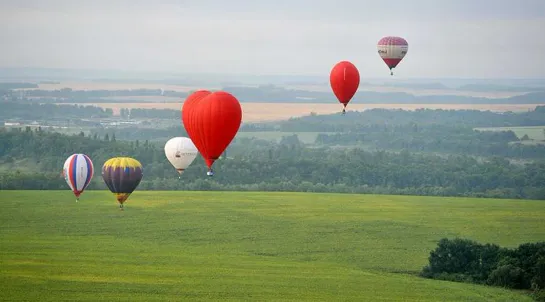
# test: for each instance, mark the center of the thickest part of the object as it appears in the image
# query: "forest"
(437, 131)
(460, 118)
(28, 111)
(33, 159)
(448, 132)
(425, 139)
(352, 121)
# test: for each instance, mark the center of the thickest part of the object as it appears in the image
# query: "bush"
(462, 260)
(461, 256)
(454, 256)
(538, 282)
(508, 276)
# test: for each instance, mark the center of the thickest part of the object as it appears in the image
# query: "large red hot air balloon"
(392, 50)
(344, 80)
(212, 124)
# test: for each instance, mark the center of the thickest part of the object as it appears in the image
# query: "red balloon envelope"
(189, 104)
(214, 121)
(344, 80)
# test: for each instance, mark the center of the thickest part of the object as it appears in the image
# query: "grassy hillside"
(246, 246)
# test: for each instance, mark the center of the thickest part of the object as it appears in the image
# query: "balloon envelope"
(122, 175)
(180, 152)
(392, 50)
(192, 99)
(78, 171)
(345, 80)
(215, 120)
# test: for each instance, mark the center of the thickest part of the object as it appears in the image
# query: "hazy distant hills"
(189, 78)
(295, 88)
(281, 95)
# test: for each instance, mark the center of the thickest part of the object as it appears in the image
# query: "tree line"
(422, 139)
(275, 94)
(437, 131)
(438, 138)
(33, 160)
(16, 110)
(352, 121)
(355, 121)
(464, 260)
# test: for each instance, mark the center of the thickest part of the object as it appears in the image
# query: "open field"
(533, 132)
(246, 246)
(256, 112)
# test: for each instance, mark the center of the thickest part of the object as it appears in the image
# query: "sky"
(447, 38)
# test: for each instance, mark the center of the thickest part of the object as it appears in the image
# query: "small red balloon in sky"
(344, 80)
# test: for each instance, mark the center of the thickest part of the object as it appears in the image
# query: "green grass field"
(533, 132)
(305, 137)
(256, 246)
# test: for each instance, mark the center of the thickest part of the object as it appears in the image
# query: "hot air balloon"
(345, 80)
(180, 152)
(122, 175)
(78, 171)
(392, 50)
(212, 124)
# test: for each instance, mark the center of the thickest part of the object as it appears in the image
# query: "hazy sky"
(447, 38)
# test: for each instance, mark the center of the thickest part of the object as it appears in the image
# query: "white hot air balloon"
(78, 171)
(180, 152)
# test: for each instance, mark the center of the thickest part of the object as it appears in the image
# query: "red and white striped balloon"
(78, 171)
(392, 50)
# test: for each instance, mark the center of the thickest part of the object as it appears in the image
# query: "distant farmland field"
(256, 112)
(249, 246)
